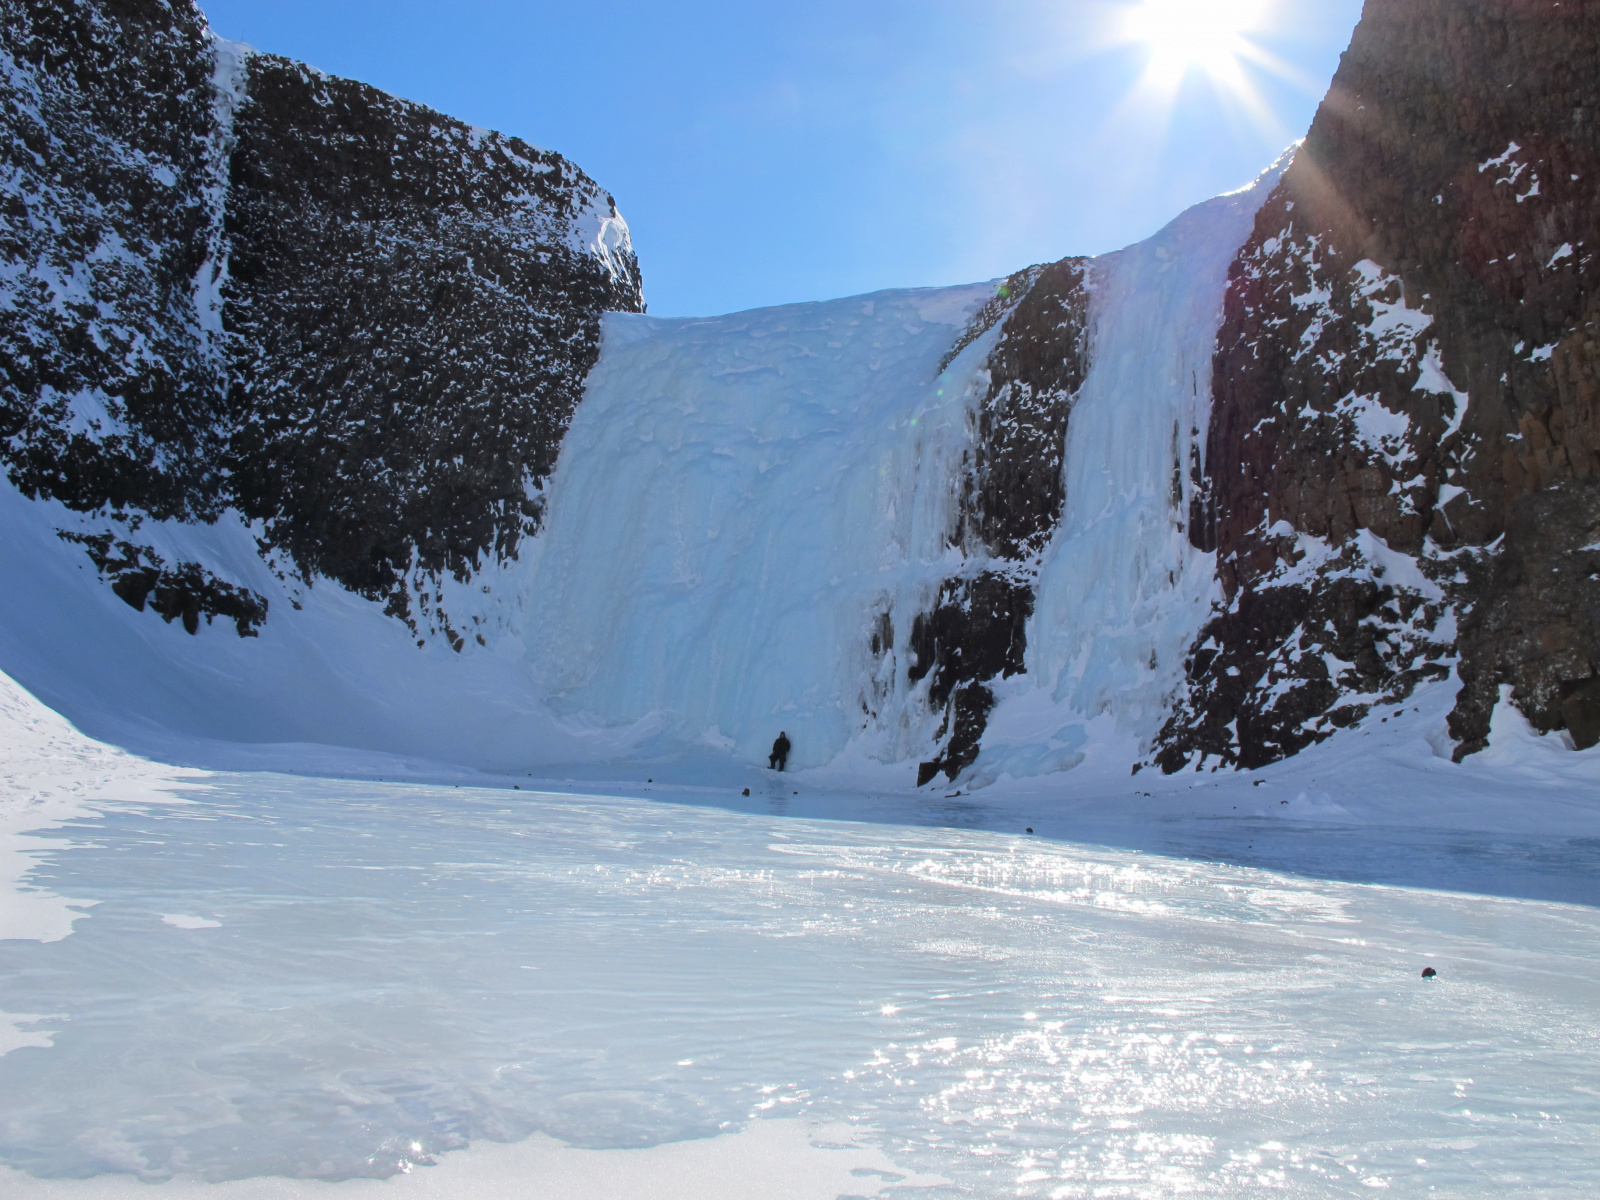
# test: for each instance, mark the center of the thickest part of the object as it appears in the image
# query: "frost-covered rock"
(412, 306)
(112, 386)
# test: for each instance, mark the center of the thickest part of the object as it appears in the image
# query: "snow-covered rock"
(1402, 472)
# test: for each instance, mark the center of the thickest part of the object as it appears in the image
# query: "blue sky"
(768, 151)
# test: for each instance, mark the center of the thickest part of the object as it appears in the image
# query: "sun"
(1183, 36)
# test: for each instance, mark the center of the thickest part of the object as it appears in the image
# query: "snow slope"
(329, 671)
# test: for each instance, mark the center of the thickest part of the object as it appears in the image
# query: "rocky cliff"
(234, 283)
(1400, 474)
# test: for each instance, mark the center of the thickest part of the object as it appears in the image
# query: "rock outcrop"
(412, 306)
(112, 384)
(1010, 505)
(351, 320)
(1402, 473)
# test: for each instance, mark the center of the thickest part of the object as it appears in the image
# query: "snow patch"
(1434, 381)
(1504, 159)
(599, 231)
(52, 775)
(14, 1037)
(1395, 326)
(178, 921)
(1515, 745)
(1380, 429)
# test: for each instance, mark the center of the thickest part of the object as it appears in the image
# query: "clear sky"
(767, 151)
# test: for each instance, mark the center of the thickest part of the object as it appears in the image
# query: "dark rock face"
(187, 591)
(111, 390)
(1409, 350)
(1011, 502)
(1533, 620)
(409, 327)
(357, 321)
(1284, 667)
(1015, 491)
(975, 634)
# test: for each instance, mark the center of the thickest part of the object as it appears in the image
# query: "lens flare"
(1208, 36)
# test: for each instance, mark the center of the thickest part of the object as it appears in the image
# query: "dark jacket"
(780, 748)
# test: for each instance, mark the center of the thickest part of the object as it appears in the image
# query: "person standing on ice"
(780, 752)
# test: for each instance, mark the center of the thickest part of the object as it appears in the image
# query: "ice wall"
(1122, 592)
(737, 500)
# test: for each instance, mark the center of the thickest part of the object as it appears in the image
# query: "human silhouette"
(780, 752)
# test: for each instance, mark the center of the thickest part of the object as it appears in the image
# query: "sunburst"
(1184, 37)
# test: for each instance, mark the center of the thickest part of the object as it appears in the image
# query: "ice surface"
(377, 975)
(49, 774)
(775, 1159)
(737, 500)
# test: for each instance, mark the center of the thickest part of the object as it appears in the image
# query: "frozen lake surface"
(331, 980)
